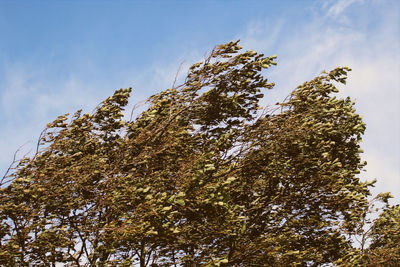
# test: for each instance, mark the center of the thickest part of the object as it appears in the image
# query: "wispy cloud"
(336, 9)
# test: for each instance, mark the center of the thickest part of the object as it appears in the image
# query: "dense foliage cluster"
(203, 177)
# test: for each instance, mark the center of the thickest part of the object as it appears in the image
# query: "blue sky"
(59, 56)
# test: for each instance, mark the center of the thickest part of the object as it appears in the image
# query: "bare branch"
(177, 74)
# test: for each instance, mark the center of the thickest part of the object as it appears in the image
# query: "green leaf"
(180, 202)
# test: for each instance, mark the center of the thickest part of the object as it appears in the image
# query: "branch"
(3, 179)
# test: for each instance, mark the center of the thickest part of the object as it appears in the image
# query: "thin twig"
(137, 105)
(177, 74)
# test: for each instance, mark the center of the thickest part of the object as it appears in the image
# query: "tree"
(384, 249)
(203, 177)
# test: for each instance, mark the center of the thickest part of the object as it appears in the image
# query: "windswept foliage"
(203, 177)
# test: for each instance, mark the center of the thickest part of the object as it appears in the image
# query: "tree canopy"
(204, 176)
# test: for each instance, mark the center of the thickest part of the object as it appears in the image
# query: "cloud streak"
(336, 9)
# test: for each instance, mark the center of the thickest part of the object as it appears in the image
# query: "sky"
(60, 56)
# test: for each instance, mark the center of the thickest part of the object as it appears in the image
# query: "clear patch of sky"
(65, 36)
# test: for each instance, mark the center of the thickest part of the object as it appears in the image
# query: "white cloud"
(384, 170)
